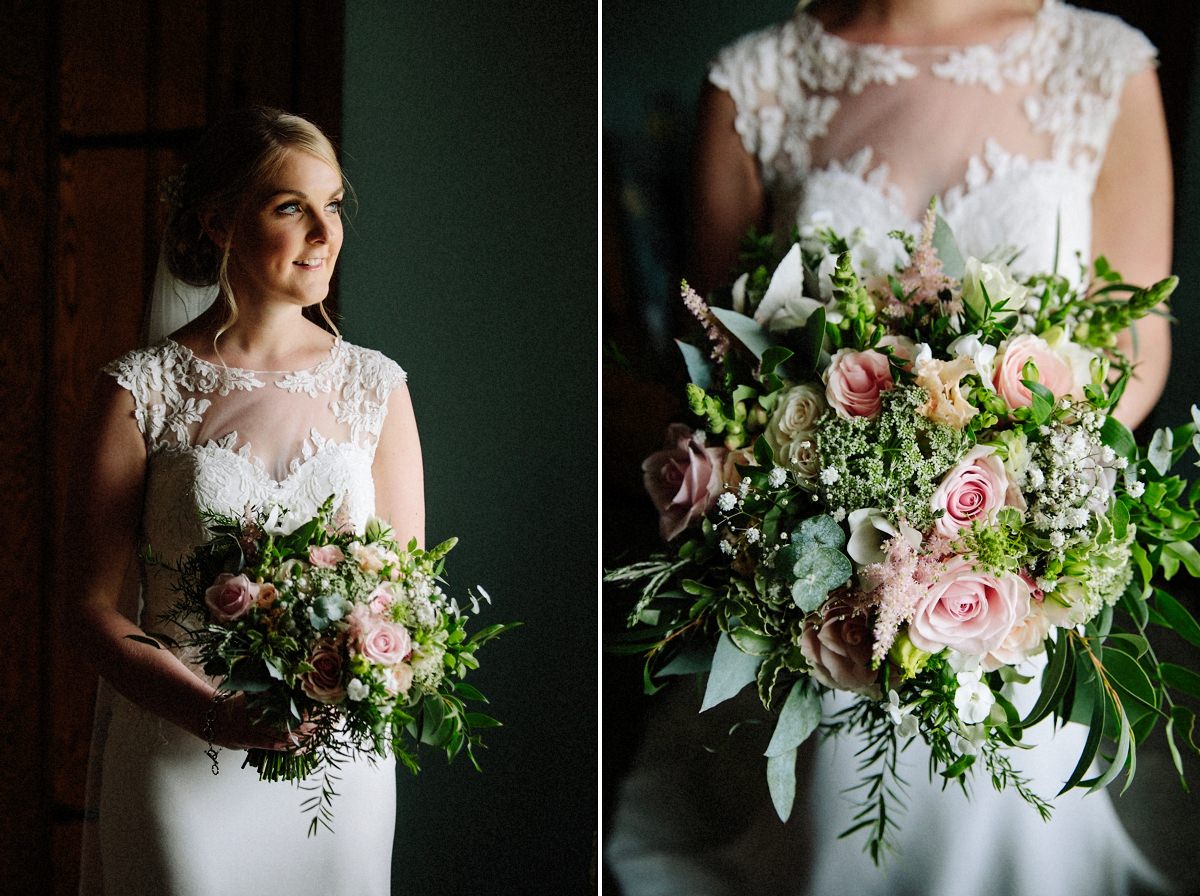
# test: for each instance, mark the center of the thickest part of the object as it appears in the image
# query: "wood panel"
(24, 821)
(103, 73)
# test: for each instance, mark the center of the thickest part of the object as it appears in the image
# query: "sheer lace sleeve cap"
(151, 375)
(370, 377)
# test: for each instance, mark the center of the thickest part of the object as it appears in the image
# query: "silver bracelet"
(208, 731)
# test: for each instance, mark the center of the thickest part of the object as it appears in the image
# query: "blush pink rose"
(327, 556)
(839, 651)
(683, 480)
(1053, 372)
(968, 610)
(975, 489)
(855, 381)
(324, 682)
(230, 596)
(381, 599)
(385, 643)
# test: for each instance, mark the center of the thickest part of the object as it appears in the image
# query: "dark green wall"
(470, 138)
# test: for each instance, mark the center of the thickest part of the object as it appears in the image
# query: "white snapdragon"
(356, 690)
(982, 356)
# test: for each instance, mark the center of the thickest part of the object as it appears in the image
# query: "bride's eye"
(288, 208)
(335, 206)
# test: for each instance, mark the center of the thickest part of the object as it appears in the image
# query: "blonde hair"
(234, 159)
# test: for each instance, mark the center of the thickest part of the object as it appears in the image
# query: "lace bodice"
(1008, 136)
(221, 438)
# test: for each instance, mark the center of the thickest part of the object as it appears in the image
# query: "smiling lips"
(310, 263)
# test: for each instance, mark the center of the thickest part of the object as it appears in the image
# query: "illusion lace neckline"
(845, 45)
(316, 368)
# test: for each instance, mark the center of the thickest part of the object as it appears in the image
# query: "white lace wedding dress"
(222, 439)
(1009, 136)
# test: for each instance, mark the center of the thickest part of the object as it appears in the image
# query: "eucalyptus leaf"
(800, 716)
(818, 571)
(697, 364)
(745, 330)
(1179, 678)
(1177, 617)
(946, 246)
(731, 671)
(1127, 674)
(824, 531)
(692, 659)
(781, 781)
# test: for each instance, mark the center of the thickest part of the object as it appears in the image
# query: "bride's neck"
(264, 337)
(925, 21)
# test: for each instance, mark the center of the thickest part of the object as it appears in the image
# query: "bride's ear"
(217, 228)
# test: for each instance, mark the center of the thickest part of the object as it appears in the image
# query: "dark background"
(469, 133)
(655, 58)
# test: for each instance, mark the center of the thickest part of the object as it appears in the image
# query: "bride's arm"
(1132, 211)
(727, 191)
(93, 566)
(399, 478)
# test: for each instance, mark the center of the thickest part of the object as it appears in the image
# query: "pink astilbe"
(924, 278)
(897, 586)
(699, 309)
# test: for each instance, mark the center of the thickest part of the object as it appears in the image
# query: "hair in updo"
(234, 159)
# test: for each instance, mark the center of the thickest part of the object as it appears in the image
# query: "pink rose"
(381, 599)
(855, 381)
(1053, 372)
(230, 596)
(385, 643)
(839, 651)
(398, 679)
(324, 682)
(683, 479)
(975, 489)
(968, 610)
(326, 556)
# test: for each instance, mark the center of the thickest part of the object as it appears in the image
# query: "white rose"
(1026, 639)
(1076, 357)
(791, 429)
(1004, 293)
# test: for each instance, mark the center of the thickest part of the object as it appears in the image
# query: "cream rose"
(975, 489)
(1052, 371)
(968, 610)
(792, 425)
(1027, 639)
(398, 679)
(855, 381)
(941, 381)
(839, 651)
(230, 596)
(683, 479)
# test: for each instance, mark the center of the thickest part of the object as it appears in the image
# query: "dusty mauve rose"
(1053, 372)
(855, 381)
(968, 610)
(324, 682)
(839, 651)
(741, 457)
(975, 489)
(326, 556)
(230, 596)
(941, 381)
(683, 479)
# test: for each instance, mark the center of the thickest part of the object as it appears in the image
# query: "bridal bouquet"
(346, 640)
(908, 486)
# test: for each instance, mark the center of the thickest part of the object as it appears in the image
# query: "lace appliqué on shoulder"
(781, 79)
(158, 376)
(369, 379)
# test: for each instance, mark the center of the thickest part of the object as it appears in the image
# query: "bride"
(248, 404)
(1036, 126)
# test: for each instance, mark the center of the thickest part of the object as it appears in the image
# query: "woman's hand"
(238, 727)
